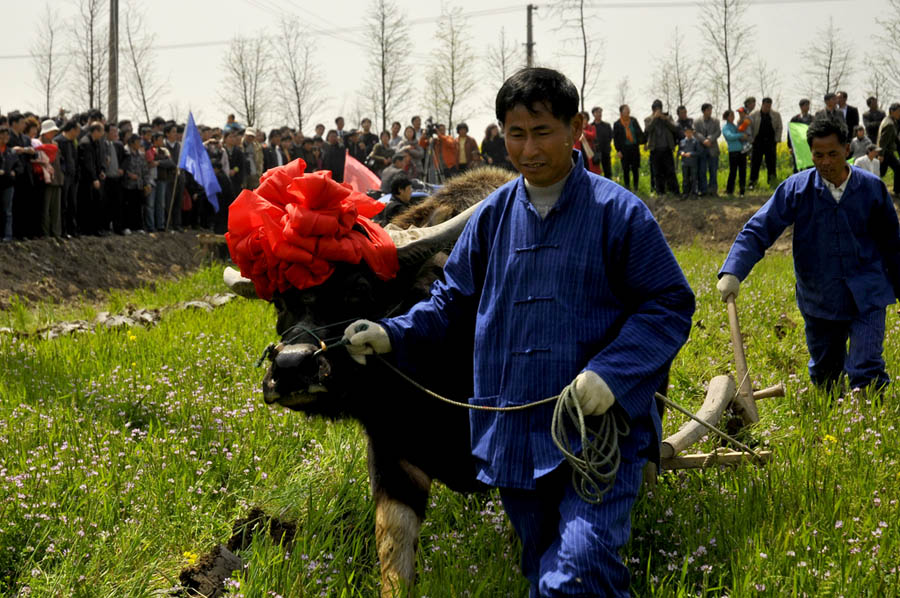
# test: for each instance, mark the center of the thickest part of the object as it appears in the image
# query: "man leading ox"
(569, 283)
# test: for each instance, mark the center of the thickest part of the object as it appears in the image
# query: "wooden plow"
(722, 395)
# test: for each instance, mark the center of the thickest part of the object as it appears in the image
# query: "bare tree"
(299, 80)
(452, 71)
(503, 59)
(48, 64)
(728, 36)
(677, 76)
(890, 39)
(247, 76)
(878, 81)
(578, 17)
(389, 46)
(622, 90)
(141, 82)
(767, 80)
(826, 61)
(91, 50)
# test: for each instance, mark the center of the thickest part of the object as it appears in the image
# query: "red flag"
(358, 176)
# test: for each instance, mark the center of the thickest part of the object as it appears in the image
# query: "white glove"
(728, 285)
(366, 338)
(592, 392)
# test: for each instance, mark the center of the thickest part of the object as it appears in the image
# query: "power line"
(475, 13)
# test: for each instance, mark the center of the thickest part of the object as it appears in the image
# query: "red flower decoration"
(290, 230)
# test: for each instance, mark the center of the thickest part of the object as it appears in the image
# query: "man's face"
(340, 123)
(689, 133)
(395, 128)
(18, 126)
(332, 137)
(366, 125)
(417, 123)
(463, 132)
(804, 108)
(442, 130)
(539, 144)
(830, 104)
(860, 133)
(113, 134)
(136, 146)
(598, 114)
(172, 135)
(72, 134)
(830, 157)
(682, 114)
(841, 100)
(405, 194)
(895, 114)
(320, 129)
(873, 155)
(765, 107)
(750, 106)
(626, 112)
(97, 134)
(707, 114)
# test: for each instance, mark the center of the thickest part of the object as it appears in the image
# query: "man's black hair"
(894, 106)
(767, 100)
(749, 100)
(169, 127)
(69, 125)
(158, 120)
(871, 147)
(705, 107)
(398, 157)
(825, 127)
(727, 113)
(179, 129)
(622, 107)
(124, 123)
(157, 135)
(95, 126)
(804, 102)
(462, 126)
(870, 100)
(680, 108)
(396, 122)
(338, 118)
(656, 105)
(15, 117)
(95, 114)
(109, 126)
(274, 133)
(531, 86)
(829, 96)
(134, 138)
(400, 181)
(596, 108)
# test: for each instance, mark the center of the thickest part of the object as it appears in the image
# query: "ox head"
(300, 376)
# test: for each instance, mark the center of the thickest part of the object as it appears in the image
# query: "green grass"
(123, 454)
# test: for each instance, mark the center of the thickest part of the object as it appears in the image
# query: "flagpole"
(172, 201)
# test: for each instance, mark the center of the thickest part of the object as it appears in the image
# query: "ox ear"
(238, 284)
(415, 245)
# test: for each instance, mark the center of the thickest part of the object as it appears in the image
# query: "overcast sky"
(635, 34)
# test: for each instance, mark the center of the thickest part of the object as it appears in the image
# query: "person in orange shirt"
(445, 151)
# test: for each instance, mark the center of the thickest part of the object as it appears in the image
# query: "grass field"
(126, 454)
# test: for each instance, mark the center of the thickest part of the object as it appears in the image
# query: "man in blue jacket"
(569, 283)
(846, 257)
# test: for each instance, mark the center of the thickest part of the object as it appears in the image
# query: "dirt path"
(91, 266)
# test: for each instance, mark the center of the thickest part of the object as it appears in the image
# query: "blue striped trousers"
(829, 356)
(571, 547)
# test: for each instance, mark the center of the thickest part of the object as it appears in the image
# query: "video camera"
(430, 128)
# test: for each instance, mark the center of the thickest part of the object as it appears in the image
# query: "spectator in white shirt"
(871, 161)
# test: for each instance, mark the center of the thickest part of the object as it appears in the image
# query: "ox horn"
(238, 284)
(415, 245)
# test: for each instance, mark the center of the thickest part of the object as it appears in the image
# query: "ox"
(412, 439)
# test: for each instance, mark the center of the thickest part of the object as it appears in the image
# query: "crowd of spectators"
(86, 176)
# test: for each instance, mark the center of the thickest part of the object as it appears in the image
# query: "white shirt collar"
(838, 191)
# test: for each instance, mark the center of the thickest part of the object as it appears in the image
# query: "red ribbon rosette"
(290, 230)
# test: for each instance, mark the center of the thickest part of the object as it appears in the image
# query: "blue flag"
(195, 160)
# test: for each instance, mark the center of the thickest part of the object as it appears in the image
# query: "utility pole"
(529, 45)
(113, 111)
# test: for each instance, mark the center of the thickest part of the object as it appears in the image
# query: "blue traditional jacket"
(846, 254)
(592, 286)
